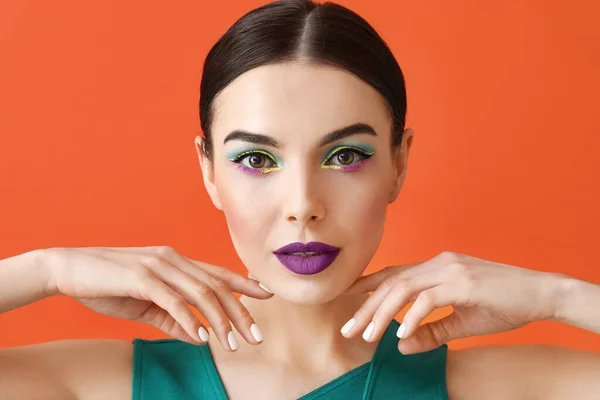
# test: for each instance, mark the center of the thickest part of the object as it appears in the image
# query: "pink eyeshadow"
(352, 168)
(250, 170)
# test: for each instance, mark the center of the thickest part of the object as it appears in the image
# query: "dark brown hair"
(288, 30)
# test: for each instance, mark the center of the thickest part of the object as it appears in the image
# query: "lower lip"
(308, 265)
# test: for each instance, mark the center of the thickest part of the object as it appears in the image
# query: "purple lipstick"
(307, 259)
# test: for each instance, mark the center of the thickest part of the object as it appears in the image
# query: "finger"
(238, 314)
(357, 323)
(209, 306)
(431, 335)
(371, 282)
(237, 282)
(153, 289)
(233, 310)
(200, 294)
(426, 302)
(213, 298)
(162, 320)
(402, 293)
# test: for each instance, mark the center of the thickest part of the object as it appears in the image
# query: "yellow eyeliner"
(343, 147)
(239, 156)
(268, 170)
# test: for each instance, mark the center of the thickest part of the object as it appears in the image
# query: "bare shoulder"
(521, 372)
(74, 369)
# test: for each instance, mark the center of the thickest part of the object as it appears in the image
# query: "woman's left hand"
(487, 298)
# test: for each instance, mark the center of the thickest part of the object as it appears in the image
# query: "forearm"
(578, 303)
(23, 280)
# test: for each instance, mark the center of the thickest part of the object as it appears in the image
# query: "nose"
(303, 200)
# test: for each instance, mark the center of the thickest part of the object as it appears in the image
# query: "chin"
(312, 289)
(315, 289)
(306, 293)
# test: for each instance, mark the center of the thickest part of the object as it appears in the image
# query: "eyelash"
(255, 171)
(333, 153)
(347, 168)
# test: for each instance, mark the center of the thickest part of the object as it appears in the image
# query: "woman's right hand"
(154, 285)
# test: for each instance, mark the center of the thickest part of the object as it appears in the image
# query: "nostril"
(291, 218)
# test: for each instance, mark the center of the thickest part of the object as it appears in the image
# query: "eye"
(255, 160)
(346, 156)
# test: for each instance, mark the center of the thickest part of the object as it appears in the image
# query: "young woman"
(303, 108)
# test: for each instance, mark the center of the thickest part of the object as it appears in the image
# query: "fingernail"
(256, 333)
(348, 326)
(369, 331)
(401, 331)
(264, 288)
(233, 343)
(203, 333)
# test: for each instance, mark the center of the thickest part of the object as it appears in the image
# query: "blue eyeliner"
(235, 156)
(368, 150)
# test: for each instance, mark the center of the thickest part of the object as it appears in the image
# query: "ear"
(208, 173)
(400, 161)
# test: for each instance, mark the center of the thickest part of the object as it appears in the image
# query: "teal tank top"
(172, 369)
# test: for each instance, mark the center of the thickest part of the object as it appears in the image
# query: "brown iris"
(345, 157)
(256, 161)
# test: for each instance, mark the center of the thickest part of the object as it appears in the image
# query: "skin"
(302, 198)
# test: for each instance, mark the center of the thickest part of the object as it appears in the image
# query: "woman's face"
(297, 182)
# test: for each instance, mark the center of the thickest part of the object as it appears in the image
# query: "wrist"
(43, 266)
(565, 289)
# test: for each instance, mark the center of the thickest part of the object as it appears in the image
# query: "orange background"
(98, 111)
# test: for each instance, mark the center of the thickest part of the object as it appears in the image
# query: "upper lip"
(311, 247)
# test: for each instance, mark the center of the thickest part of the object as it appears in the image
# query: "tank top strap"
(393, 375)
(172, 369)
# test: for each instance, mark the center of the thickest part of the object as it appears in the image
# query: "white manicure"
(369, 331)
(401, 331)
(203, 334)
(264, 287)
(348, 327)
(256, 333)
(232, 341)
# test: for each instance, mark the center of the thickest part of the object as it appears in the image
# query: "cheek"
(366, 213)
(362, 205)
(247, 209)
(361, 213)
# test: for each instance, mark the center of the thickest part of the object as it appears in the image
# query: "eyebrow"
(258, 138)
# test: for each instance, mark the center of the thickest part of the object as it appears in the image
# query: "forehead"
(281, 99)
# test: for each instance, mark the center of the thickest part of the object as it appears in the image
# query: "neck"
(309, 334)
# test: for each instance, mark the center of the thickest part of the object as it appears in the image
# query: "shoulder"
(517, 371)
(97, 368)
(87, 369)
(484, 372)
